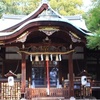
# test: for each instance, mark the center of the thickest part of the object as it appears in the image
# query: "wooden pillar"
(48, 79)
(23, 75)
(71, 81)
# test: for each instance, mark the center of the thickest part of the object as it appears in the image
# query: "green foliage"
(93, 20)
(28, 6)
(20, 6)
(93, 24)
(2, 8)
(93, 42)
(67, 7)
(64, 7)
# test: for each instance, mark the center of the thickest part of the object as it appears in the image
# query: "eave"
(65, 26)
(34, 21)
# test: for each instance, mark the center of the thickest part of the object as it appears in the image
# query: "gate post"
(71, 81)
(23, 75)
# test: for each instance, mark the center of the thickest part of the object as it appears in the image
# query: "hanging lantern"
(30, 57)
(57, 59)
(36, 58)
(47, 58)
(60, 57)
(41, 57)
(51, 57)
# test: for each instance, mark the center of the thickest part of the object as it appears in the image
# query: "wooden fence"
(42, 92)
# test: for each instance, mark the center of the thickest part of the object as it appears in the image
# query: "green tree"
(67, 7)
(93, 24)
(2, 8)
(20, 6)
(64, 7)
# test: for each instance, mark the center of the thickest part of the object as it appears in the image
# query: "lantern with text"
(83, 80)
(11, 81)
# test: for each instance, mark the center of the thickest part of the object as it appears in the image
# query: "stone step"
(49, 98)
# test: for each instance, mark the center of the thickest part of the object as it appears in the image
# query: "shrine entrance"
(45, 65)
(43, 40)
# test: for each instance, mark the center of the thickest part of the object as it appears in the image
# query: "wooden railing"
(95, 85)
(42, 92)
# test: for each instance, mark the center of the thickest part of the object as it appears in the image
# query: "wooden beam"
(45, 53)
(27, 45)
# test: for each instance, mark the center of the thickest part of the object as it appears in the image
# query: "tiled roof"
(11, 23)
(10, 20)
